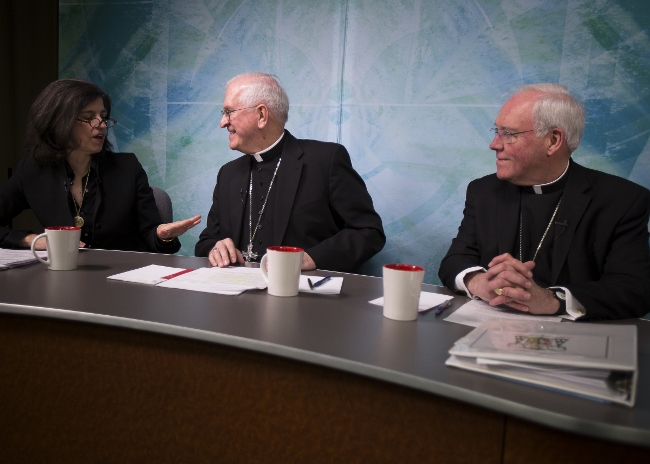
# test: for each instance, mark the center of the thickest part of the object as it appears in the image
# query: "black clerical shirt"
(536, 213)
(261, 175)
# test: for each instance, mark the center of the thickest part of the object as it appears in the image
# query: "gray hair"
(264, 88)
(556, 107)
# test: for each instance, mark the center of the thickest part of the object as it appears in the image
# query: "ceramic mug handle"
(44, 234)
(265, 273)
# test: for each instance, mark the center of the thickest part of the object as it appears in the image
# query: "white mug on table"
(283, 274)
(402, 287)
(62, 247)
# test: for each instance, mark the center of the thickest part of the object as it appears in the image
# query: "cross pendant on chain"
(249, 254)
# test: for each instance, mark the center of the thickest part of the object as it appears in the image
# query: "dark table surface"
(342, 331)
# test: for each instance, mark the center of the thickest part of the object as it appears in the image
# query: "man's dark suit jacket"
(321, 205)
(602, 257)
(126, 216)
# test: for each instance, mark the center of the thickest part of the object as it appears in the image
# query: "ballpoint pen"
(441, 307)
(318, 283)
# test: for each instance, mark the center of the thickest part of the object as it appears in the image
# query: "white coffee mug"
(62, 247)
(402, 287)
(283, 274)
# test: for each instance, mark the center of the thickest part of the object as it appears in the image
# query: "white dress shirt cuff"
(459, 282)
(574, 308)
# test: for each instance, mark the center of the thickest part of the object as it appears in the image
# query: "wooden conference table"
(93, 370)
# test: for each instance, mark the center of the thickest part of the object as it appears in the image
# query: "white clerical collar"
(539, 189)
(258, 155)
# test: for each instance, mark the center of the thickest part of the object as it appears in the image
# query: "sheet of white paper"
(225, 281)
(476, 311)
(13, 258)
(428, 300)
(150, 275)
(331, 287)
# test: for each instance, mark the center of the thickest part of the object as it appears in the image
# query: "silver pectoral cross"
(249, 254)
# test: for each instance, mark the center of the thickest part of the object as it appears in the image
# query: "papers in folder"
(225, 281)
(592, 360)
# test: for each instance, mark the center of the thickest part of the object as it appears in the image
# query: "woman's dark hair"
(53, 115)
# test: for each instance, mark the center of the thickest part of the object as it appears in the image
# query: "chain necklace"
(78, 220)
(249, 254)
(521, 236)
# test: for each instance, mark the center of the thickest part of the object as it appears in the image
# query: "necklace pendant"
(249, 254)
(78, 220)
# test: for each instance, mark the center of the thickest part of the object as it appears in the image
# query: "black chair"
(164, 204)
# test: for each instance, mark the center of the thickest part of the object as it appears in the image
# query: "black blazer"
(321, 205)
(126, 216)
(602, 257)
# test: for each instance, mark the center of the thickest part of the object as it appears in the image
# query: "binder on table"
(598, 361)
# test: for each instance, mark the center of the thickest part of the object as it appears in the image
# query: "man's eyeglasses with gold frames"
(507, 136)
(227, 113)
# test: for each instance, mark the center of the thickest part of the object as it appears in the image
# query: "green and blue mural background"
(410, 87)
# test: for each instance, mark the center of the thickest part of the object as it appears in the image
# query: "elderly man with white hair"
(545, 235)
(284, 190)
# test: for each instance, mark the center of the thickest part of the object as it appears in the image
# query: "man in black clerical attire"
(285, 191)
(545, 235)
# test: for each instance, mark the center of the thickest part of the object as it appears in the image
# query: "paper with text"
(474, 312)
(13, 258)
(225, 281)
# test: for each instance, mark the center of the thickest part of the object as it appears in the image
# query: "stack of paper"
(592, 360)
(223, 280)
(226, 281)
(13, 258)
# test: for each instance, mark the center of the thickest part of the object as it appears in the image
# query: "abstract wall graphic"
(411, 88)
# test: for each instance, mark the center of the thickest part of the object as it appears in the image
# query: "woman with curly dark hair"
(71, 177)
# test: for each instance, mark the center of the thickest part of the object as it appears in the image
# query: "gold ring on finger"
(498, 291)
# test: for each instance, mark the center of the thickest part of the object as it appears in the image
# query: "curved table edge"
(607, 432)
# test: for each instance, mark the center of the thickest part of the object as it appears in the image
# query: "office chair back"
(164, 204)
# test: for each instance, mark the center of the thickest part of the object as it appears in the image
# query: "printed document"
(226, 281)
(591, 360)
(13, 258)
(474, 312)
(223, 280)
